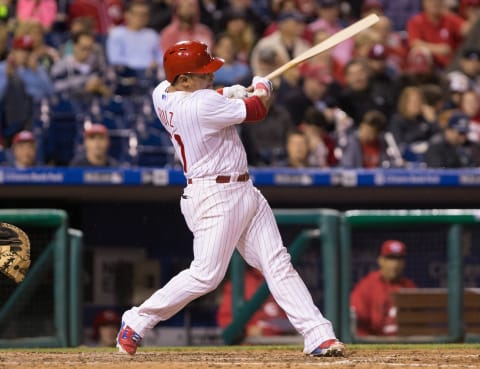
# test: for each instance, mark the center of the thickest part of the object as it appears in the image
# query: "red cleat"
(331, 347)
(128, 340)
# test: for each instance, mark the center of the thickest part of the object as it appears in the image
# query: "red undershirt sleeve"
(255, 109)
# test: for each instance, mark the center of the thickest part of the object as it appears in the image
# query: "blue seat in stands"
(121, 142)
(154, 148)
(62, 129)
(114, 113)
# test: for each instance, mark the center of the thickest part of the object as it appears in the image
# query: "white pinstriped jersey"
(223, 216)
(201, 125)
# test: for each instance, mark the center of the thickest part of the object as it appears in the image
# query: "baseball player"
(221, 206)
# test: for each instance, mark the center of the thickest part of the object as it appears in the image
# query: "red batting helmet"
(189, 57)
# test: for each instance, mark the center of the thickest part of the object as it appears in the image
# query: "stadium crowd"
(76, 78)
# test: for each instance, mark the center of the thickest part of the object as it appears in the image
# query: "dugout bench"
(456, 316)
(424, 311)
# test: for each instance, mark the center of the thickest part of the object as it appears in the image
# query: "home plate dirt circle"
(358, 357)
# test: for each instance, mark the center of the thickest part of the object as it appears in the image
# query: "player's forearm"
(256, 107)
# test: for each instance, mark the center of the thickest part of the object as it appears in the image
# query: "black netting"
(426, 252)
(33, 313)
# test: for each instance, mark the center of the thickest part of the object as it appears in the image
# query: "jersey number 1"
(182, 150)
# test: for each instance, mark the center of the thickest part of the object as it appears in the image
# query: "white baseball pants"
(222, 217)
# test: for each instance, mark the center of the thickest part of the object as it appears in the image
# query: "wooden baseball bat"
(330, 42)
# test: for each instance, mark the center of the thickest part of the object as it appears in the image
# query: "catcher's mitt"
(14, 252)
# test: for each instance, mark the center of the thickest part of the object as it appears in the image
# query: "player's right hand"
(235, 92)
(262, 86)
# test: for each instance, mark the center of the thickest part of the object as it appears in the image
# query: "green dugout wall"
(45, 309)
(335, 229)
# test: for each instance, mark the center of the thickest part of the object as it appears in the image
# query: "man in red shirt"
(105, 13)
(269, 320)
(437, 29)
(371, 301)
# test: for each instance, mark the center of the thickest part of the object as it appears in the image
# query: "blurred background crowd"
(76, 78)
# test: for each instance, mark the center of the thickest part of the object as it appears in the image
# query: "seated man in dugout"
(371, 301)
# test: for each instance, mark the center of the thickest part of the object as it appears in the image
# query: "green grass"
(361, 347)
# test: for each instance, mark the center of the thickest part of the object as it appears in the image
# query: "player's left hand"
(235, 92)
(14, 252)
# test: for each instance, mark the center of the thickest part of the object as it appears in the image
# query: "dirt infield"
(358, 357)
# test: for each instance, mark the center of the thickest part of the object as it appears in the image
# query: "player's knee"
(279, 259)
(208, 282)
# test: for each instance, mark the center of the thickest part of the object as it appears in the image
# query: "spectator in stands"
(359, 95)
(286, 41)
(7, 12)
(185, 26)
(287, 83)
(268, 61)
(470, 10)
(297, 149)
(420, 71)
(308, 8)
(105, 14)
(77, 74)
(314, 92)
(43, 11)
(329, 20)
(105, 328)
(233, 70)
(24, 151)
(469, 66)
(23, 63)
(237, 25)
(250, 8)
(451, 148)
(437, 30)
(371, 300)
(371, 6)
(45, 54)
(85, 25)
(470, 105)
(381, 75)
(160, 14)
(458, 85)
(133, 45)
(265, 142)
(269, 319)
(366, 147)
(400, 11)
(396, 46)
(289, 6)
(415, 122)
(97, 143)
(434, 101)
(15, 103)
(321, 145)
(364, 41)
(7, 19)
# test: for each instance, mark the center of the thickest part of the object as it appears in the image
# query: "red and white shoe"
(332, 347)
(128, 340)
